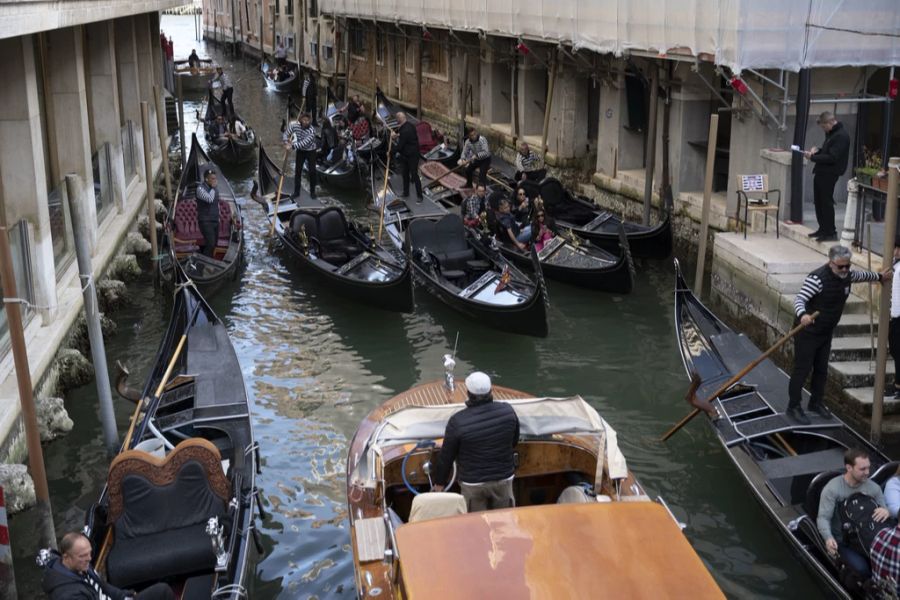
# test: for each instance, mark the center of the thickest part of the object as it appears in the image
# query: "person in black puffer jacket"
(482, 439)
(831, 162)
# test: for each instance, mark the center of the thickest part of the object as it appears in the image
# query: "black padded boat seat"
(329, 228)
(158, 509)
(885, 472)
(199, 587)
(814, 491)
(477, 265)
(803, 464)
(445, 239)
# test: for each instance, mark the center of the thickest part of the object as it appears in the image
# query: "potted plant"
(870, 168)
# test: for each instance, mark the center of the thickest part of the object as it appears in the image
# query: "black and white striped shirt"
(529, 162)
(304, 137)
(205, 193)
(223, 80)
(812, 286)
(477, 150)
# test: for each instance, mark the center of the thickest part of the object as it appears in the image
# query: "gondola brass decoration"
(304, 239)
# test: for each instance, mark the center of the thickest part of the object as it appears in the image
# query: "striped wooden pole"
(7, 575)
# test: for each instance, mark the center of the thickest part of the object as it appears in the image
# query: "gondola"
(784, 463)
(286, 85)
(233, 150)
(431, 145)
(321, 241)
(195, 79)
(600, 226)
(180, 499)
(567, 257)
(182, 238)
(582, 525)
(454, 267)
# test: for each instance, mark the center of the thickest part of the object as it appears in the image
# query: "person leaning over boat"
(825, 290)
(476, 154)
(69, 576)
(406, 143)
(529, 165)
(208, 211)
(224, 82)
(301, 136)
(854, 480)
(482, 440)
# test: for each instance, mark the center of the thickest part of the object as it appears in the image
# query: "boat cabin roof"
(595, 550)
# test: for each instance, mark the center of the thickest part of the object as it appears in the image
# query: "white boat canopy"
(739, 34)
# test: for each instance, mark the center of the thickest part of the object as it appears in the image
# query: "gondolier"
(482, 439)
(476, 154)
(280, 54)
(825, 290)
(407, 145)
(224, 82)
(302, 138)
(529, 164)
(208, 212)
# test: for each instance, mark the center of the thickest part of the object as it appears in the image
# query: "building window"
(21, 251)
(60, 229)
(313, 8)
(434, 58)
(103, 192)
(277, 7)
(290, 42)
(380, 48)
(289, 7)
(128, 153)
(313, 49)
(277, 38)
(357, 40)
(327, 52)
(409, 60)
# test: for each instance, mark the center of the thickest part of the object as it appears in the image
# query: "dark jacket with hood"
(831, 159)
(60, 583)
(481, 438)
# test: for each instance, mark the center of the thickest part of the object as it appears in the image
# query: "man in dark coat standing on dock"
(208, 212)
(406, 143)
(482, 440)
(824, 290)
(831, 162)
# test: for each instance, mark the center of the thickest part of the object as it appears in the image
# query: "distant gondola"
(182, 238)
(600, 226)
(786, 464)
(286, 85)
(431, 146)
(195, 79)
(321, 241)
(461, 272)
(234, 149)
(180, 496)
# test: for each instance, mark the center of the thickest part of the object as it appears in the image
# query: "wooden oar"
(453, 170)
(387, 173)
(724, 387)
(500, 181)
(278, 193)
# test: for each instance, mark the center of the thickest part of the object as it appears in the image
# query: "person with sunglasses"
(824, 290)
(540, 231)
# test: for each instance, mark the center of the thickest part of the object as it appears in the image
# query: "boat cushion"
(814, 491)
(188, 237)
(434, 505)
(427, 139)
(560, 205)
(885, 472)
(305, 220)
(574, 494)
(158, 508)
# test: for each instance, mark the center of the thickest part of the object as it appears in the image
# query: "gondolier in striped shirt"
(825, 290)
(529, 164)
(476, 155)
(224, 82)
(208, 212)
(302, 138)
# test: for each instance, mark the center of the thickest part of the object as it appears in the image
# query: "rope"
(26, 303)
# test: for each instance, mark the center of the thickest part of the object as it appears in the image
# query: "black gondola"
(322, 241)
(180, 497)
(431, 146)
(182, 238)
(265, 188)
(785, 464)
(286, 85)
(460, 271)
(600, 226)
(233, 149)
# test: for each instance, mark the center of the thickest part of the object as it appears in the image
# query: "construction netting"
(739, 34)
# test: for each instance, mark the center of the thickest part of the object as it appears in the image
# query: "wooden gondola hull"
(233, 152)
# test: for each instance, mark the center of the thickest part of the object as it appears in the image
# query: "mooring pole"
(180, 93)
(884, 315)
(650, 156)
(148, 175)
(81, 230)
(707, 200)
(163, 135)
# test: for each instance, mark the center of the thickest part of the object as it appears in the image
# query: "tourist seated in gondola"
(474, 206)
(529, 165)
(482, 440)
(885, 559)
(220, 129)
(330, 151)
(510, 231)
(360, 128)
(892, 494)
(854, 480)
(522, 209)
(68, 575)
(354, 109)
(540, 230)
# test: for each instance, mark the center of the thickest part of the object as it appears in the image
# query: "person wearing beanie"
(482, 440)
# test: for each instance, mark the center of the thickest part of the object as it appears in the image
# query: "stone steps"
(863, 397)
(854, 324)
(858, 373)
(852, 348)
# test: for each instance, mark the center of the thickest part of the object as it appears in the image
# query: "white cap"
(478, 383)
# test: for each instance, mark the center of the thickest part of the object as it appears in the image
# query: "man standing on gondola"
(224, 82)
(825, 290)
(302, 137)
(406, 142)
(208, 212)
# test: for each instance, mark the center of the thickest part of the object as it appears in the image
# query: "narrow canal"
(314, 365)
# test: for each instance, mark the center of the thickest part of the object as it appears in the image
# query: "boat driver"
(482, 439)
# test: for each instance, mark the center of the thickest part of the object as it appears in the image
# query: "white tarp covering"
(537, 417)
(740, 34)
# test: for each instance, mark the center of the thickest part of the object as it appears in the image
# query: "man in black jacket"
(406, 143)
(68, 575)
(482, 439)
(831, 162)
(825, 291)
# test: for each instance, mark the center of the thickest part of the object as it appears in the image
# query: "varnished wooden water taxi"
(583, 527)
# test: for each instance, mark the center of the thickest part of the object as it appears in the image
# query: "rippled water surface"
(314, 364)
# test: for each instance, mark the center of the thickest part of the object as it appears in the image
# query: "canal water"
(315, 364)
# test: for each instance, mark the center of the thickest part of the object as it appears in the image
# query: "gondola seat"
(885, 472)
(451, 249)
(158, 511)
(436, 505)
(427, 138)
(188, 237)
(328, 230)
(814, 492)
